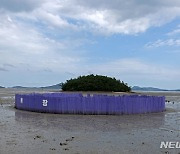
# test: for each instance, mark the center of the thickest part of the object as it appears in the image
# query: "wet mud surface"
(30, 132)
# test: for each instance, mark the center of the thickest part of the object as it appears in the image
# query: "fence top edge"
(70, 95)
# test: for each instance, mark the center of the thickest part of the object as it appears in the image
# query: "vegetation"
(95, 83)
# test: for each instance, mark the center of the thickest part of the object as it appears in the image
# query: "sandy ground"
(25, 132)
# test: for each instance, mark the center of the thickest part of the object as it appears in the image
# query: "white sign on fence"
(21, 100)
(45, 102)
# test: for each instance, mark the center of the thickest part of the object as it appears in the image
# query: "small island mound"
(95, 83)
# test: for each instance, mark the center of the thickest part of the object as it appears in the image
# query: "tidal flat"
(42, 133)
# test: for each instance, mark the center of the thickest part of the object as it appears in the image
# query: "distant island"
(137, 88)
(56, 86)
(2, 87)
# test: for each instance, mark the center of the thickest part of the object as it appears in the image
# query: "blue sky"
(47, 42)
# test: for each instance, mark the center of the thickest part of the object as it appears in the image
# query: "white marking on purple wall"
(21, 100)
(45, 102)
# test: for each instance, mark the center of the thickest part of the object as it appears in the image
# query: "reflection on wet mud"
(90, 122)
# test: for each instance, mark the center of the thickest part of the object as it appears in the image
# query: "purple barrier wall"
(76, 103)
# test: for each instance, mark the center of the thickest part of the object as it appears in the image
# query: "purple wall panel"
(76, 103)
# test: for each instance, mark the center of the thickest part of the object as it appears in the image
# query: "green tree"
(95, 83)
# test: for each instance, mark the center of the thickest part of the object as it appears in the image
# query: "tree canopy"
(95, 83)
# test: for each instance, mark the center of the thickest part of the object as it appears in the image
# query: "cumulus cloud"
(105, 17)
(130, 17)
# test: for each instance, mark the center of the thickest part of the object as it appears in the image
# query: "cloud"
(138, 69)
(104, 17)
(130, 69)
(175, 31)
(8, 65)
(53, 20)
(27, 48)
(20, 5)
(161, 43)
(130, 17)
(3, 69)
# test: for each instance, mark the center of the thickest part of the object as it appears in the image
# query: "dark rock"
(38, 136)
(61, 144)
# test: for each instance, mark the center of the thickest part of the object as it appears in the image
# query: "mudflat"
(30, 132)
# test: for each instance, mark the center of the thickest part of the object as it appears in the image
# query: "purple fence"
(76, 103)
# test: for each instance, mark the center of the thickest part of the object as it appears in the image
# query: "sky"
(46, 42)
